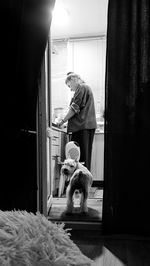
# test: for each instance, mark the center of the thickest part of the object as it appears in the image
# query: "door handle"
(49, 132)
(28, 131)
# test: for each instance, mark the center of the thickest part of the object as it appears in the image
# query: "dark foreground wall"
(24, 31)
(127, 138)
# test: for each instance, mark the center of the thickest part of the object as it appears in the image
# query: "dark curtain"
(24, 29)
(127, 127)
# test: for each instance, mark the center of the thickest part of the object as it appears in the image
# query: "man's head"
(73, 80)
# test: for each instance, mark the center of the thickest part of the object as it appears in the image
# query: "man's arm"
(70, 114)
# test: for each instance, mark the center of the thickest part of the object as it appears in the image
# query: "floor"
(114, 250)
(57, 211)
(58, 205)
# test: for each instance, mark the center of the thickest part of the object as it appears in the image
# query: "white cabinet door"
(97, 163)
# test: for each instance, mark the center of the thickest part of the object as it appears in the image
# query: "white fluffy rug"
(29, 239)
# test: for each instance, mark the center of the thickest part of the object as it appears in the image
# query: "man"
(81, 116)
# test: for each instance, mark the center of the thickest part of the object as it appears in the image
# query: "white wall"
(85, 57)
(85, 18)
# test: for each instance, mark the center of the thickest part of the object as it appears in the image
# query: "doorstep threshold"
(79, 225)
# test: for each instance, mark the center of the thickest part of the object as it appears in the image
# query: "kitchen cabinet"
(97, 162)
(59, 140)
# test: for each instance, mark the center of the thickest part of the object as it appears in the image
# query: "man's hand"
(59, 124)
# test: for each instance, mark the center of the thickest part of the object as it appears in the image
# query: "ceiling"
(85, 18)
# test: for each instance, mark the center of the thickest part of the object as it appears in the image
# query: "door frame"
(44, 139)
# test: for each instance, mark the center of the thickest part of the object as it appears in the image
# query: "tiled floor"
(57, 210)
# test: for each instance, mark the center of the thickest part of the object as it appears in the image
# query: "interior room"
(77, 44)
(27, 235)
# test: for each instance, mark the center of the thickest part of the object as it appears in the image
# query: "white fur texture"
(31, 240)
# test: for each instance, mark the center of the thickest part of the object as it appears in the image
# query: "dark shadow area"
(58, 213)
(113, 250)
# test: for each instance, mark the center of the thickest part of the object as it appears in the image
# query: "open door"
(85, 55)
(72, 54)
(61, 56)
(44, 136)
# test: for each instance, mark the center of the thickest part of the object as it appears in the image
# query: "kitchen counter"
(100, 127)
(55, 127)
(59, 140)
(97, 162)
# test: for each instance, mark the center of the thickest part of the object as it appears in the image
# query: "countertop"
(54, 126)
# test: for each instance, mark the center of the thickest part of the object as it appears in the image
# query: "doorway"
(78, 47)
